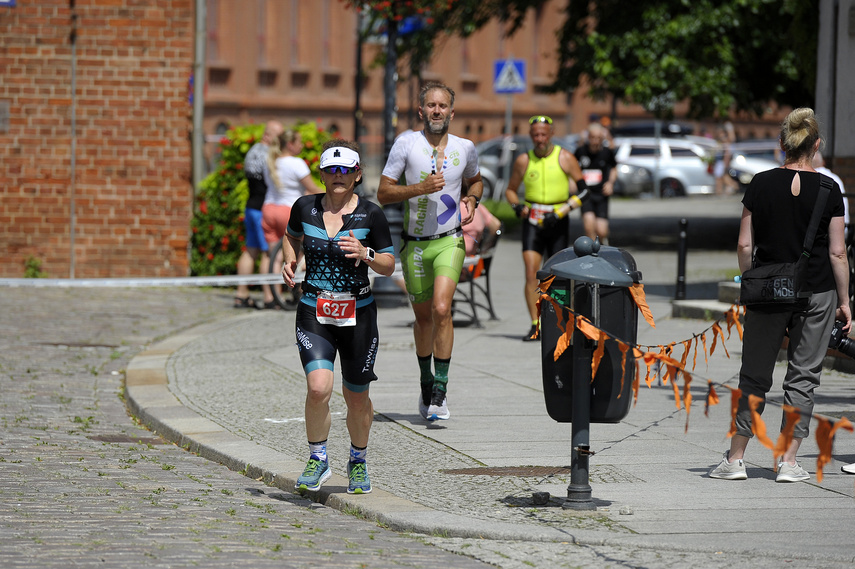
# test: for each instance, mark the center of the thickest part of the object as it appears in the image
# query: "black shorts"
(597, 203)
(546, 240)
(357, 345)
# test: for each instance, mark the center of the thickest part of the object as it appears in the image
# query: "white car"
(680, 166)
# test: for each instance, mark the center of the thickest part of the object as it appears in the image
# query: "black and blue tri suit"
(327, 269)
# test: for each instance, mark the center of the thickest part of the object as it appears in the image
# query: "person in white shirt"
(291, 179)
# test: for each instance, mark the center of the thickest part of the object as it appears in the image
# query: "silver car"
(680, 166)
(752, 156)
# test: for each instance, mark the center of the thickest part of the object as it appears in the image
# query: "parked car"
(681, 166)
(648, 128)
(495, 153)
(753, 156)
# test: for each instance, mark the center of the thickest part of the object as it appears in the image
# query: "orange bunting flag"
(706, 354)
(589, 330)
(825, 440)
(623, 349)
(791, 416)
(712, 398)
(563, 342)
(735, 395)
(758, 427)
(673, 371)
(695, 356)
(635, 382)
(732, 316)
(717, 332)
(546, 283)
(598, 355)
(637, 292)
(559, 313)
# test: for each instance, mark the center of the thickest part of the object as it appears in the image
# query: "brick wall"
(132, 186)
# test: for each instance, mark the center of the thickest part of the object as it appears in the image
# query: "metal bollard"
(680, 294)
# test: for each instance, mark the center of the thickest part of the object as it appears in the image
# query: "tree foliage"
(718, 55)
(424, 24)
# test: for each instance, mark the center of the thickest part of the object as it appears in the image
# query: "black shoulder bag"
(780, 283)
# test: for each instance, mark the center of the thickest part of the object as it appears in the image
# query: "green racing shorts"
(423, 261)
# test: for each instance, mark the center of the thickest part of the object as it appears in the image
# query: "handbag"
(781, 283)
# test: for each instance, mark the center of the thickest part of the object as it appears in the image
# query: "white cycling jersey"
(413, 158)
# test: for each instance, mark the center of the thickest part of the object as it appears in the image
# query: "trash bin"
(611, 389)
(387, 293)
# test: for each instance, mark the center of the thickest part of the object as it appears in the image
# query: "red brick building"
(129, 176)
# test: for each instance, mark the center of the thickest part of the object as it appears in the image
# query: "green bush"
(33, 268)
(217, 226)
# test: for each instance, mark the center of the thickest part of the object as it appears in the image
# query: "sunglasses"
(340, 169)
(540, 118)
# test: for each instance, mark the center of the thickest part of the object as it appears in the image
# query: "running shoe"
(791, 473)
(532, 335)
(316, 473)
(438, 406)
(727, 470)
(357, 474)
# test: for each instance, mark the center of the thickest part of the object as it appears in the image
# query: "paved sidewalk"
(233, 391)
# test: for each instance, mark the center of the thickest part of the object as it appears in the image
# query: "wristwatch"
(477, 201)
(369, 254)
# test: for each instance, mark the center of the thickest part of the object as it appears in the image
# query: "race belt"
(408, 237)
(358, 294)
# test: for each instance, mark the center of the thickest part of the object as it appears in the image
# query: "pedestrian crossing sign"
(509, 76)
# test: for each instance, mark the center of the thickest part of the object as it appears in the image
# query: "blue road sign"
(509, 76)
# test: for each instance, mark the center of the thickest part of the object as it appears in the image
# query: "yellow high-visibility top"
(545, 181)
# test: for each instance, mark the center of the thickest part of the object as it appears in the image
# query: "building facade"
(95, 181)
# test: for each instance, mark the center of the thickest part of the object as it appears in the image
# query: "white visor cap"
(339, 156)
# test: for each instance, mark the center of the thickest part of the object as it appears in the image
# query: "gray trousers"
(809, 329)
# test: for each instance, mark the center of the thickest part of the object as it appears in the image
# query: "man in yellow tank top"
(546, 172)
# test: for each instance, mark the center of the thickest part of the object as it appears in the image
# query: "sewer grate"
(511, 471)
(128, 439)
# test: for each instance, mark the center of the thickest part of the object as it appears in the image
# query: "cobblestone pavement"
(83, 485)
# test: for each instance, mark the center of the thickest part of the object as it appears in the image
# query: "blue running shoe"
(357, 473)
(316, 473)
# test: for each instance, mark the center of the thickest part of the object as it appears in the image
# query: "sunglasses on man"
(340, 169)
(540, 118)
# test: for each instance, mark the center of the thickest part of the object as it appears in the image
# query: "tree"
(422, 24)
(718, 55)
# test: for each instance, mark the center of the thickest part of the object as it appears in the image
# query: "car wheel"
(671, 188)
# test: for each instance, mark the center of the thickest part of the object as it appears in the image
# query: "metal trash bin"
(611, 390)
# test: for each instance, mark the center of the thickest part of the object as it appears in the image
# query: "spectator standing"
(546, 171)
(777, 208)
(257, 174)
(291, 179)
(435, 164)
(599, 169)
(342, 236)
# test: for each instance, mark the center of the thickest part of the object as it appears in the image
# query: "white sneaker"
(438, 408)
(848, 468)
(791, 473)
(727, 470)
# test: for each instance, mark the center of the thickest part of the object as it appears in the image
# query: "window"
(679, 152)
(644, 151)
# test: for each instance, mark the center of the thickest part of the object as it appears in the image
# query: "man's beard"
(434, 128)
